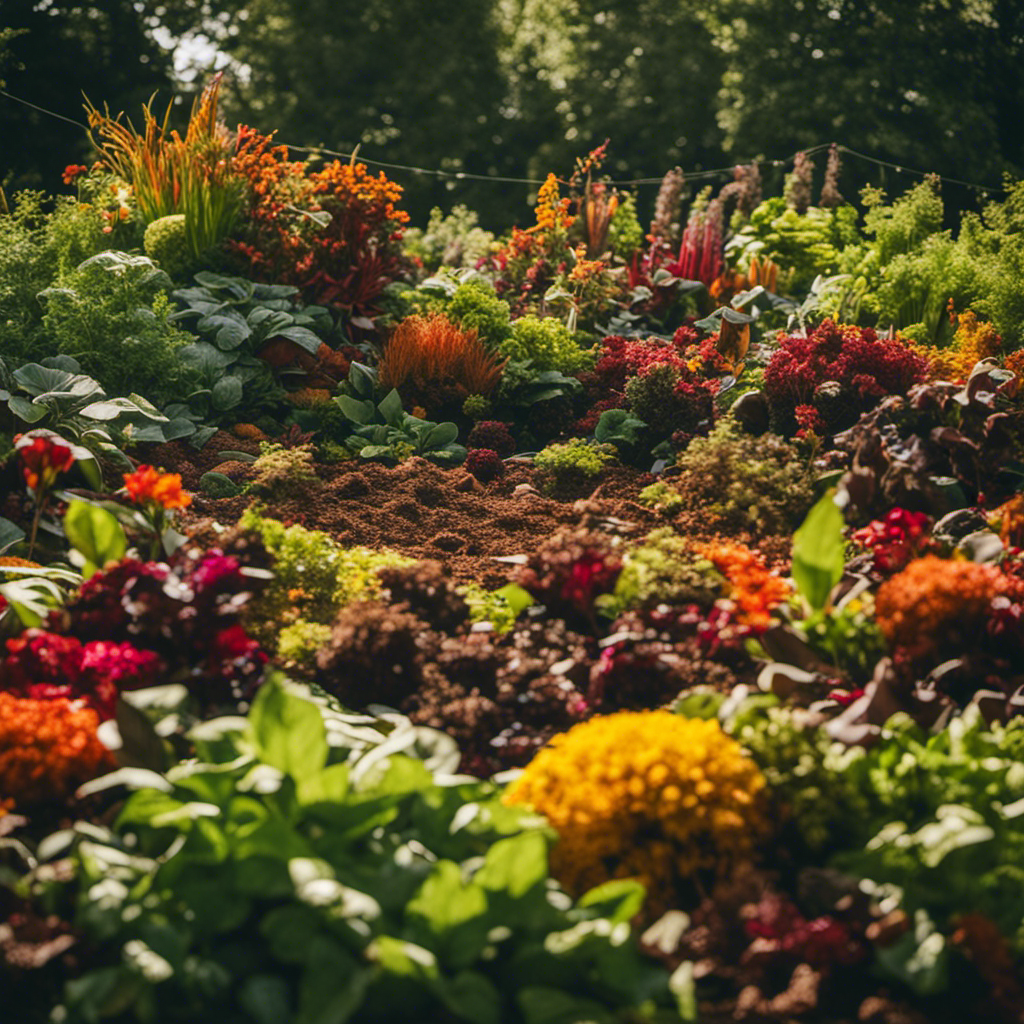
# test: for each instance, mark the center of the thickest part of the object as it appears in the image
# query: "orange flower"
(147, 484)
(73, 171)
(47, 748)
(755, 589)
(936, 603)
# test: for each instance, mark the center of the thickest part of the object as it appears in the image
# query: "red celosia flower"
(147, 484)
(43, 460)
(895, 539)
(855, 357)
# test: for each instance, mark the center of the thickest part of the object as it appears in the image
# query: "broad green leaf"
(227, 393)
(391, 408)
(289, 731)
(26, 410)
(10, 534)
(516, 597)
(473, 998)
(266, 998)
(554, 1006)
(438, 436)
(819, 553)
(95, 533)
(363, 379)
(356, 410)
(514, 866)
(303, 337)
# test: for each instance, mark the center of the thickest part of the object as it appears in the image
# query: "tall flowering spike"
(552, 212)
(646, 795)
(830, 194)
(745, 188)
(798, 183)
(665, 226)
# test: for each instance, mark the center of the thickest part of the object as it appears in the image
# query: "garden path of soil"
(424, 511)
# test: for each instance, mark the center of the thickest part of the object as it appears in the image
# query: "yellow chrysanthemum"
(646, 795)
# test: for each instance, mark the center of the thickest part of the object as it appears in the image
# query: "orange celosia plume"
(433, 349)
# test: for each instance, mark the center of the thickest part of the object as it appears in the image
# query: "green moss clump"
(166, 242)
(547, 344)
(746, 483)
(573, 463)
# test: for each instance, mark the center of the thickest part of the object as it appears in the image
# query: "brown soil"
(424, 511)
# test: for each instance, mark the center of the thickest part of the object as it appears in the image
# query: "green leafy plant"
(384, 430)
(305, 868)
(56, 396)
(547, 344)
(232, 313)
(113, 316)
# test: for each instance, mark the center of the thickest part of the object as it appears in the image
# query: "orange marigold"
(47, 748)
(755, 589)
(147, 484)
(974, 340)
(937, 603)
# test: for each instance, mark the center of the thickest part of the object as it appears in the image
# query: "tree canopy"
(514, 88)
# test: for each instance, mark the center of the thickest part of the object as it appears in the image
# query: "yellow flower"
(646, 795)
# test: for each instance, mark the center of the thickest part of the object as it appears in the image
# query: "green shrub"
(314, 576)
(475, 305)
(547, 344)
(453, 241)
(625, 233)
(663, 569)
(166, 242)
(744, 482)
(284, 472)
(112, 315)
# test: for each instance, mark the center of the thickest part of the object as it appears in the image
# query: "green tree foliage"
(913, 80)
(56, 51)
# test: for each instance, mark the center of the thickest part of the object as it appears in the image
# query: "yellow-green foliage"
(625, 233)
(547, 343)
(284, 472)
(166, 242)
(664, 569)
(314, 578)
(475, 306)
(488, 606)
(662, 497)
(297, 644)
(572, 462)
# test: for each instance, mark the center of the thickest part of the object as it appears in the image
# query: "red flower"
(74, 171)
(44, 459)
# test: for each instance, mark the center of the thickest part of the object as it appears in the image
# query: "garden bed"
(622, 626)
